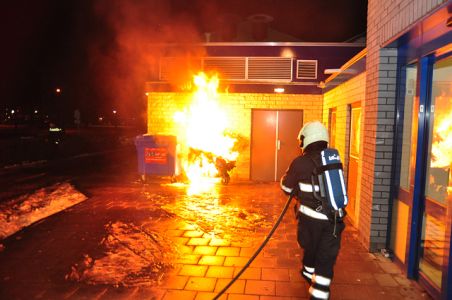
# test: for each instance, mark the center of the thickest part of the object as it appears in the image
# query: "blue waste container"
(156, 154)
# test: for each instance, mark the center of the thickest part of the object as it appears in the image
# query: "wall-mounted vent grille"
(229, 68)
(270, 68)
(306, 69)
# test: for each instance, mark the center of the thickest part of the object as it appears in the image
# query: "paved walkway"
(204, 241)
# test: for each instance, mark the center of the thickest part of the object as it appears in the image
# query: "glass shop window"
(439, 184)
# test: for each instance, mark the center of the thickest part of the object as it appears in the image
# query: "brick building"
(386, 106)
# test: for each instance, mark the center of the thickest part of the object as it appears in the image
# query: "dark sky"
(97, 50)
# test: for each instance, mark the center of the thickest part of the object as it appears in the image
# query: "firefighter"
(317, 234)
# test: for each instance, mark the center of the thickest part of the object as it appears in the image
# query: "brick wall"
(341, 98)
(162, 106)
(386, 20)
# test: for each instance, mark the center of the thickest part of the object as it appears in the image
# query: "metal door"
(273, 142)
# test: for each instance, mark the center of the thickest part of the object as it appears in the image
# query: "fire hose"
(275, 226)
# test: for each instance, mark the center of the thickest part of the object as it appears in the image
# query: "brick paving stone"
(385, 280)
(238, 287)
(211, 260)
(179, 295)
(185, 249)
(249, 273)
(205, 250)
(260, 287)
(242, 297)
(193, 233)
(286, 262)
(294, 275)
(247, 252)
(152, 293)
(265, 262)
(201, 284)
(220, 272)
(186, 226)
(274, 298)
(198, 242)
(190, 270)
(292, 289)
(228, 251)
(232, 261)
(219, 242)
(190, 259)
(349, 292)
(245, 244)
(344, 276)
(402, 280)
(276, 274)
(275, 252)
(413, 293)
(209, 296)
(389, 267)
(290, 244)
(175, 282)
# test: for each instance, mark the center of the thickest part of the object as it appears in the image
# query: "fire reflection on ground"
(216, 218)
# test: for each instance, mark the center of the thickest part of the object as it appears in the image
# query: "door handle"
(278, 144)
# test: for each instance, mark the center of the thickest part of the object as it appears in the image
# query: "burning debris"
(132, 256)
(207, 148)
(25, 210)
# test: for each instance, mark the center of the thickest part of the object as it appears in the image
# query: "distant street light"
(58, 90)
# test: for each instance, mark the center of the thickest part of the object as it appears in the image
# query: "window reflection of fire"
(441, 153)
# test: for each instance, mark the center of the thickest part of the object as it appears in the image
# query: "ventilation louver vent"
(229, 68)
(306, 69)
(270, 68)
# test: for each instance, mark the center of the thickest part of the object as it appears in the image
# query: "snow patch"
(25, 210)
(132, 256)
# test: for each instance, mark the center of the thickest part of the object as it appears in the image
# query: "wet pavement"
(156, 240)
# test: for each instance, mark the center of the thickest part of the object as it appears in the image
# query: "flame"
(203, 133)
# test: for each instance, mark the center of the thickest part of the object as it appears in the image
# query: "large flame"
(204, 140)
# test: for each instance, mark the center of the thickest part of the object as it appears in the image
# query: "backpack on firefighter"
(332, 192)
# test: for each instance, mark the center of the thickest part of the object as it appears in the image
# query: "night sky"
(98, 51)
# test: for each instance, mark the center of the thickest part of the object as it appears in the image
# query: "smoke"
(125, 53)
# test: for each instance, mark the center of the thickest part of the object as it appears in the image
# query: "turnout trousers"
(321, 248)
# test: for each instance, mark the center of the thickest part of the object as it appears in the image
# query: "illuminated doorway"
(353, 161)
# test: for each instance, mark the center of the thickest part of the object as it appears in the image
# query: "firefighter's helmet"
(312, 132)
